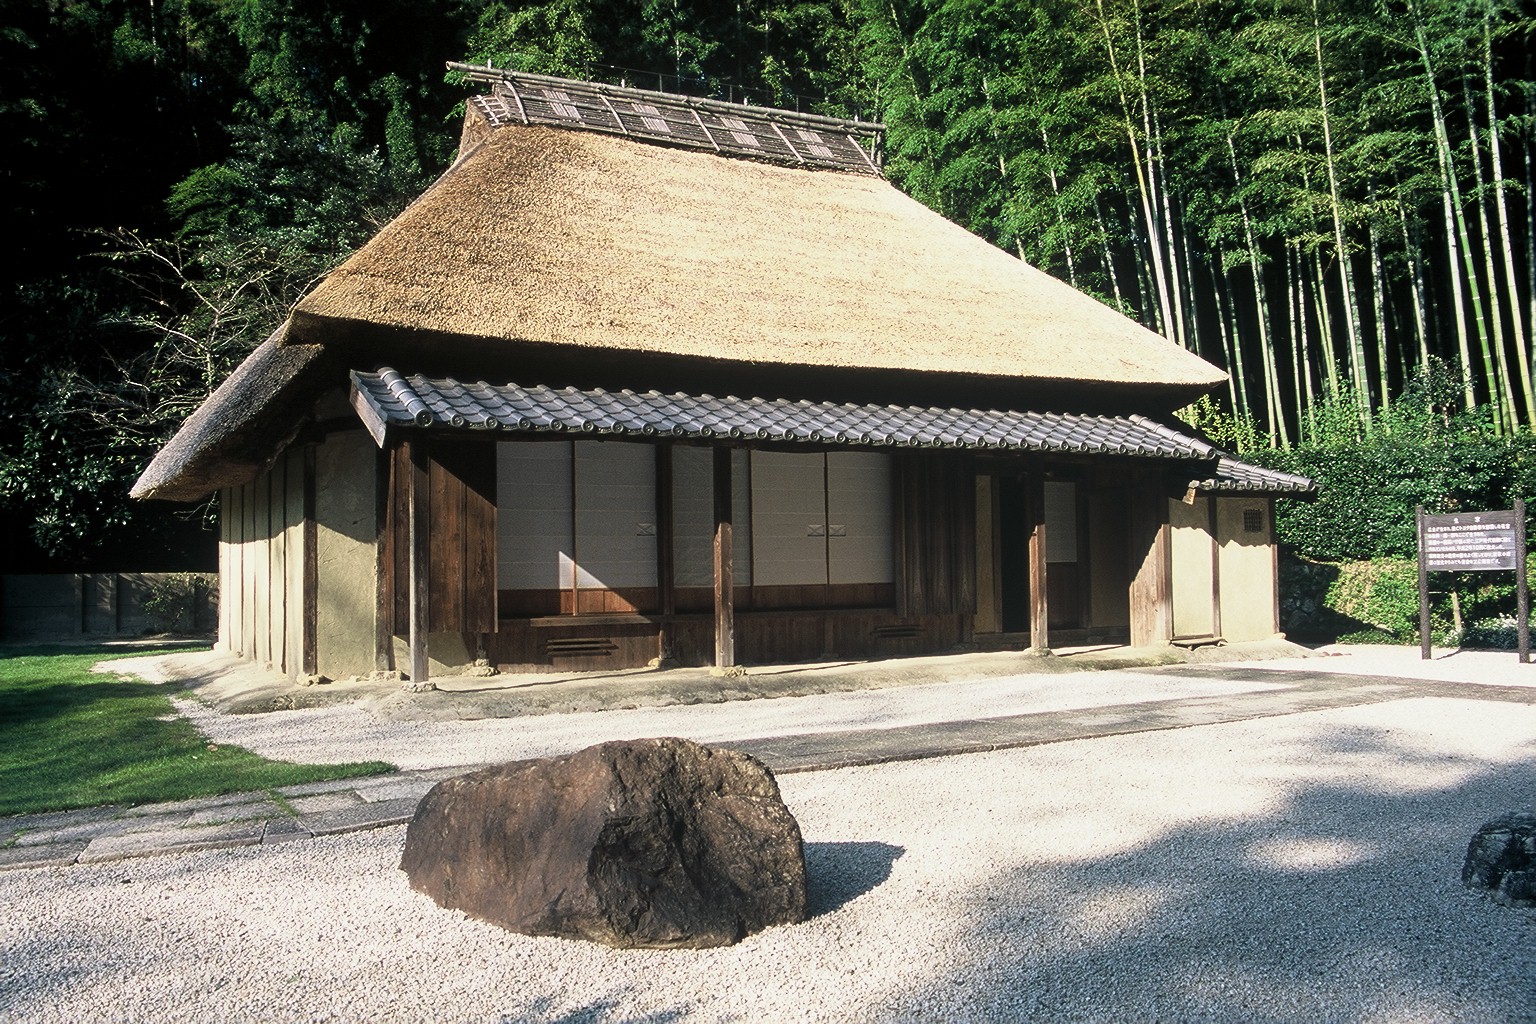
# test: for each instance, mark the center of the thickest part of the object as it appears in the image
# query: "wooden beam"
(725, 566)
(1039, 601)
(418, 498)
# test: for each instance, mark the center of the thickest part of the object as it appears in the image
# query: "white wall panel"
(789, 518)
(533, 515)
(615, 514)
(693, 516)
(859, 518)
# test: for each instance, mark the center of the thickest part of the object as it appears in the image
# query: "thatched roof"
(569, 253)
(598, 244)
(249, 419)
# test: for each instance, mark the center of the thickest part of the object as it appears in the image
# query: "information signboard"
(1470, 541)
(1474, 542)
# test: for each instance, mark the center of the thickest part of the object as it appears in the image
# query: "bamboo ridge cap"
(488, 74)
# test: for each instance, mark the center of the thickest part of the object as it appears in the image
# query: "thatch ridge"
(571, 238)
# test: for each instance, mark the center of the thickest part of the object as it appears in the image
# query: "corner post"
(725, 569)
(1418, 527)
(1522, 588)
(1039, 593)
(417, 502)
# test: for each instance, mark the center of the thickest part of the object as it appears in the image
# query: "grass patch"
(70, 737)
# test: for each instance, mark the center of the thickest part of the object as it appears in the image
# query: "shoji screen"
(693, 517)
(533, 515)
(859, 518)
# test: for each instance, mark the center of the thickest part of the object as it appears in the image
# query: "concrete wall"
(346, 467)
(1247, 568)
(73, 605)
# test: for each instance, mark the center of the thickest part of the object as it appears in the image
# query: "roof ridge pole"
(617, 119)
(707, 133)
(785, 139)
(511, 87)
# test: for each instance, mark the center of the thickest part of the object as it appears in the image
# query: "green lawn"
(70, 737)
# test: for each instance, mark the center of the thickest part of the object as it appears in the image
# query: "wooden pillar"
(384, 571)
(417, 506)
(1213, 518)
(1151, 557)
(666, 569)
(1039, 601)
(725, 569)
(310, 635)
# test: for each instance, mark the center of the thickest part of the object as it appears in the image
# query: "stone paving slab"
(317, 788)
(322, 802)
(283, 829)
(41, 855)
(261, 807)
(179, 840)
(360, 815)
(54, 819)
(192, 806)
(87, 831)
(405, 789)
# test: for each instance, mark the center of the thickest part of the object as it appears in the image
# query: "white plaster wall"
(347, 606)
(1193, 569)
(1247, 569)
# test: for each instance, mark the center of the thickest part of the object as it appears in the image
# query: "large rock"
(1502, 858)
(658, 843)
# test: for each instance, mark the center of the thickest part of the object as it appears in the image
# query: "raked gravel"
(356, 732)
(1293, 869)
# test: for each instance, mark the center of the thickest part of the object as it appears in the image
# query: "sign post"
(1474, 542)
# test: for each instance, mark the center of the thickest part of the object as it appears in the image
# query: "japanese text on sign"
(1470, 541)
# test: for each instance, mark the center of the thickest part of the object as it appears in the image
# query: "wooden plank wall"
(461, 521)
(935, 534)
(262, 547)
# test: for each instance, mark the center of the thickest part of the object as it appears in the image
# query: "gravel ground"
(1294, 869)
(1490, 668)
(355, 732)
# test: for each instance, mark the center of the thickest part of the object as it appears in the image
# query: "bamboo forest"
(1331, 201)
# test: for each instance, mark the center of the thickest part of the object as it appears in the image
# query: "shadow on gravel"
(608, 1010)
(839, 873)
(1340, 900)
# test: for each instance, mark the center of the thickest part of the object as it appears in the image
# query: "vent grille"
(898, 632)
(579, 647)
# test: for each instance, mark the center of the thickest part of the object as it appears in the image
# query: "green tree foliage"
(1323, 197)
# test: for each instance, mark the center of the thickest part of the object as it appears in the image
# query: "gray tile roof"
(387, 399)
(1234, 476)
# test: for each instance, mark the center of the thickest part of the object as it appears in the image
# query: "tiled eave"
(387, 400)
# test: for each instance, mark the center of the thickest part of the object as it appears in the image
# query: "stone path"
(326, 808)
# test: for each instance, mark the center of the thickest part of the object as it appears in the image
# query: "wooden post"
(666, 569)
(1522, 595)
(1418, 525)
(310, 636)
(1214, 525)
(1039, 600)
(725, 570)
(417, 511)
(1151, 555)
(384, 567)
